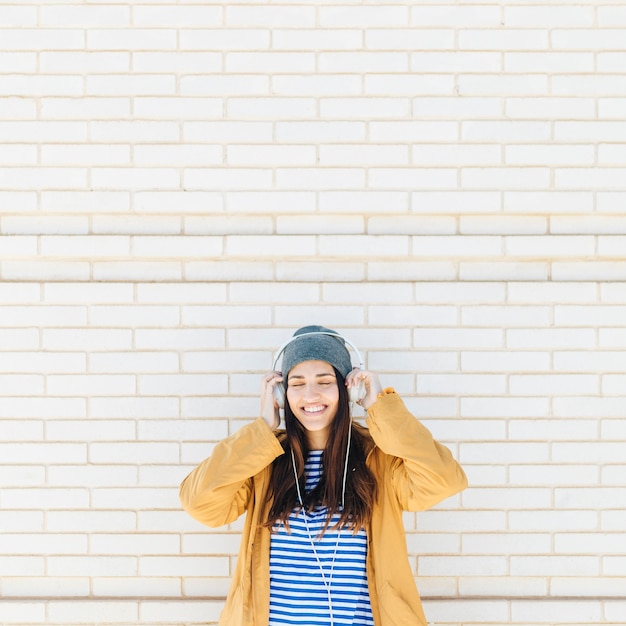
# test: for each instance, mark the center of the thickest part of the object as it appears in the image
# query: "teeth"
(313, 409)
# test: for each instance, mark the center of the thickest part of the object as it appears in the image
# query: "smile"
(314, 409)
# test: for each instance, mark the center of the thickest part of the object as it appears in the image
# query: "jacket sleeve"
(422, 471)
(217, 491)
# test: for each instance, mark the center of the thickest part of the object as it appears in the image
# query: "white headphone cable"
(327, 583)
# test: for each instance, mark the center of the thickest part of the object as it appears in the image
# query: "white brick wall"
(183, 183)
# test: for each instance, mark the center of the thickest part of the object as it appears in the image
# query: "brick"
(20, 384)
(506, 316)
(270, 61)
(182, 16)
(135, 452)
(43, 178)
(503, 271)
(409, 38)
(589, 131)
(402, 315)
(550, 155)
(549, 201)
(85, 62)
(299, 225)
(27, 225)
(359, 108)
(592, 224)
(477, 85)
(454, 245)
(319, 271)
(451, 107)
(415, 225)
(135, 178)
(41, 39)
(18, 155)
(182, 384)
(455, 202)
(530, 611)
(553, 338)
(47, 543)
(363, 155)
(77, 611)
(224, 38)
(457, 16)
(271, 16)
(92, 430)
(92, 108)
(222, 178)
(183, 202)
(509, 177)
(363, 16)
(613, 293)
(316, 39)
(92, 246)
(316, 131)
(143, 587)
(131, 39)
(411, 178)
(569, 384)
(183, 430)
(135, 225)
(144, 271)
(610, 107)
(505, 361)
(549, 62)
(48, 270)
(94, 476)
(137, 498)
(80, 154)
(411, 271)
(588, 85)
(503, 39)
(43, 407)
(21, 430)
(608, 271)
(214, 85)
(466, 154)
(550, 245)
(462, 384)
(77, 201)
(461, 565)
(547, 16)
(13, 107)
(504, 407)
(45, 498)
(589, 361)
(544, 293)
(362, 62)
(590, 315)
(133, 362)
(505, 131)
(506, 587)
(552, 474)
(278, 108)
(589, 407)
(135, 131)
(455, 62)
(547, 108)
(86, 339)
(408, 84)
(156, 107)
(22, 586)
(191, 611)
(85, 521)
(125, 544)
(353, 245)
(270, 156)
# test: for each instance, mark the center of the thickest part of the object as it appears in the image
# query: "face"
(313, 396)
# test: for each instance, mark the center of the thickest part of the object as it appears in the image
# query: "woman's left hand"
(371, 382)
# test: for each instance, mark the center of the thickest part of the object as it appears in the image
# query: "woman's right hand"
(269, 406)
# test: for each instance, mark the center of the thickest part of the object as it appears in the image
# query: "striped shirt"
(298, 593)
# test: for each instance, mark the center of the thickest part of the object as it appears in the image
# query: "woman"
(328, 548)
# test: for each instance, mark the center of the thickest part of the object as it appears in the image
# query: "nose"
(310, 391)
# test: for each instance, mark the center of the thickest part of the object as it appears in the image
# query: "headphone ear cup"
(357, 393)
(279, 395)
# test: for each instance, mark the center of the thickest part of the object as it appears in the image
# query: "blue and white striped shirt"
(298, 594)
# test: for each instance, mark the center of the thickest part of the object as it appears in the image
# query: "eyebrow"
(316, 375)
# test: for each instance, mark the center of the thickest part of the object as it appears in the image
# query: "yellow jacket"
(413, 471)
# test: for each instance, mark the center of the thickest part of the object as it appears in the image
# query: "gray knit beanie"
(317, 348)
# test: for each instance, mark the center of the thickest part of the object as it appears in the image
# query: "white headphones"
(355, 393)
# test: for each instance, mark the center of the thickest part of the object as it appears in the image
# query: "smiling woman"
(313, 395)
(323, 542)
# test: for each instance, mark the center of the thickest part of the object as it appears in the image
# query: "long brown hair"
(360, 482)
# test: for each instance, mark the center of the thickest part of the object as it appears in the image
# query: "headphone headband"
(335, 335)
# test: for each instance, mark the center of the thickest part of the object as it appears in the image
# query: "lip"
(315, 409)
